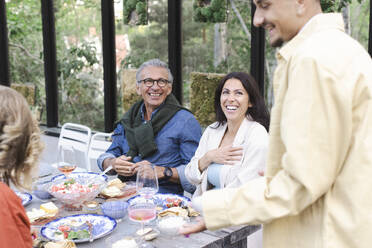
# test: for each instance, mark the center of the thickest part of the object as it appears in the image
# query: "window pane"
(79, 62)
(141, 42)
(26, 48)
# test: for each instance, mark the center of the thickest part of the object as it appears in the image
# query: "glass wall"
(79, 62)
(26, 47)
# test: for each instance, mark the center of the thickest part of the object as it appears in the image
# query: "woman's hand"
(223, 155)
(226, 155)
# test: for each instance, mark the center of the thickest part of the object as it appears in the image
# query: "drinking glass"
(147, 181)
(142, 210)
(66, 159)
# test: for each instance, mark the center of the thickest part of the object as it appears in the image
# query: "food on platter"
(47, 212)
(179, 211)
(192, 212)
(60, 244)
(117, 189)
(49, 208)
(174, 211)
(111, 191)
(73, 230)
(173, 202)
(117, 183)
(126, 242)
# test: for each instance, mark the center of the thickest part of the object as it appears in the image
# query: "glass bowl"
(115, 209)
(39, 189)
(170, 225)
(73, 192)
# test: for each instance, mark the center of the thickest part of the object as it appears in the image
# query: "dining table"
(235, 236)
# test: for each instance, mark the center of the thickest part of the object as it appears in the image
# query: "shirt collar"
(316, 23)
(143, 109)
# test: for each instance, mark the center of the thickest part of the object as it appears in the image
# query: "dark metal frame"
(175, 45)
(109, 61)
(4, 52)
(257, 53)
(50, 62)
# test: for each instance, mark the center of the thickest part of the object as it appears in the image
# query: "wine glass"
(66, 159)
(147, 181)
(142, 210)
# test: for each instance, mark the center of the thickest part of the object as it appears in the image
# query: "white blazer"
(251, 135)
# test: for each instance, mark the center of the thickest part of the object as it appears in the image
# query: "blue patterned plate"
(25, 197)
(164, 200)
(102, 225)
(83, 175)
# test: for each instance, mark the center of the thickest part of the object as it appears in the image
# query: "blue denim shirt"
(177, 142)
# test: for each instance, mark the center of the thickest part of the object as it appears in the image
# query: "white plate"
(102, 225)
(161, 199)
(83, 175)
(25, 197)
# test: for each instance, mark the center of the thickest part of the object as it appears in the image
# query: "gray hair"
(154, 63)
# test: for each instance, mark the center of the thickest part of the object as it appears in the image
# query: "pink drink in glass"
(142, 214)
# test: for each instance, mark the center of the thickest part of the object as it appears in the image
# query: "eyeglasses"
(149, 82)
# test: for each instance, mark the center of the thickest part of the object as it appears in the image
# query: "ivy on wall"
(212, 11)
(334, 5)
(135, 12)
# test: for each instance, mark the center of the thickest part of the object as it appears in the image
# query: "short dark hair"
(258, 112)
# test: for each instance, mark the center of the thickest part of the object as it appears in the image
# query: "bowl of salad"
(73, 192)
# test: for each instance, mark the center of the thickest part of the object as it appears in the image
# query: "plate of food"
(79, 175)
(78, 228)
(117, 189)
(46, 213)
(25, 197)
(164, 201)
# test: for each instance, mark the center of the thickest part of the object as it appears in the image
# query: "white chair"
(79, 137)
(99, 143)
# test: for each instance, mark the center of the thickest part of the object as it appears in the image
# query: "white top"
(251, 135)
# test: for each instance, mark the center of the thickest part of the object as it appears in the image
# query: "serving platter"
(101, 226)
(164, 200)
(25, 197)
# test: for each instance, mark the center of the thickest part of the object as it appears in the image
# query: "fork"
(90, 230)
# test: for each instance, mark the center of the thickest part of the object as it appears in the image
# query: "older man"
(319, 167)
(155, 130)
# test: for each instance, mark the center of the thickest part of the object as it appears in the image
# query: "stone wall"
(27, 90)
(203, 86)
(128, 87)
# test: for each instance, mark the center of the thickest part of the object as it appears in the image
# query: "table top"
(125, 227)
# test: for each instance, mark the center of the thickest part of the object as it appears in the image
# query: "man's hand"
(189, 228)
(123, 167)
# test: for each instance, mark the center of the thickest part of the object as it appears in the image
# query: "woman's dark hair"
(258, 111)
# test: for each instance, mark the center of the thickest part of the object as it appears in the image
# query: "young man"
(319, 168)
(155, 130)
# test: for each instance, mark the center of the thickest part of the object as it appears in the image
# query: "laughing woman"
(233, 149)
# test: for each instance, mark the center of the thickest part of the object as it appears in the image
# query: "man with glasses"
(155, 130)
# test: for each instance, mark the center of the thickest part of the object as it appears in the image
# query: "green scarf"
(141, 135)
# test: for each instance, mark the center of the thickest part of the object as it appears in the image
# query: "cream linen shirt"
(317, 189)
(251, 136)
